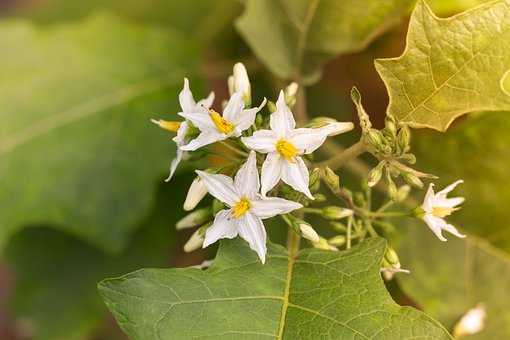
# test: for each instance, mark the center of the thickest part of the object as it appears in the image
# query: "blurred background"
(82, 195)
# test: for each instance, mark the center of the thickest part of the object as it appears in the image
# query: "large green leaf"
(449, 278)
(76, 146)
(319, 294)
(450, 66)
(56, 274)
(293, 38)
(477, 150)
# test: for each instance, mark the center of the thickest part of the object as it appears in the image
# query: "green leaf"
(294, 38)
(319, 294)
(56, 274)
(77, 149)
(450, 66)
(483, 141)
(448, 279)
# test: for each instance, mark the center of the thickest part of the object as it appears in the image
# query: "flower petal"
(272, 206)
(296, 175)
(224, 226)
(186, 99)
(436, 224)
(252, 230)
(262, 141)
(220, 186)
(234, 107)
(452, 230)
(247, 180)
(282, 121)
(202, 120)
(247, 117)
(449, 188)
(271, 172)
(336, 128)
(203, 139)
(207, 102)
(173, 165)
(449, 202)
(307, 140)
(428, 200)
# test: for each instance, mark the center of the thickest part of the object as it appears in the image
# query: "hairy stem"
(342, 158)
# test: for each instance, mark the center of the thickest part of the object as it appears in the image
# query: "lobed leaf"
(318, 295)
(450, 66)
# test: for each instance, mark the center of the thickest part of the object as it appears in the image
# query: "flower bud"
(314, 181)
(239, 82)
(404, 138)
(319, 198)
(194, 219)
(409, 158)
(336, 213)
(472, 322)
(412, 179)
(392, 188)
(217, 205)
(391, 257)
(271, 106)
(374, 176)
(323, 244)
(308, 232)
(331, 179)
(390, 126)
(340, 227)
(195, 242)
(196, 193)
(375, 138)
(337, 241)
(290, 94)
(259, 120)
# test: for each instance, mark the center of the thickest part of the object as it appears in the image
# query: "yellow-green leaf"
(450, 66)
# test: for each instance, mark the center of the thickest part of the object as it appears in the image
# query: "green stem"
(338, 161)
(385, 206)
(387, 214)
(349, 229)
(312, 211)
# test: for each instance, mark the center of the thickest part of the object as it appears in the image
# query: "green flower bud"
(337, 241)
(375, 138)
(331, 179)
(271, 106)
(259, 120)
(217, 206)
(194, 219)
(404, 138)
(340, 227)
(402, 193)
(374, 176)
(195, 242)
(314, 181)
(412, 179)
(391, 257)
(336, 213)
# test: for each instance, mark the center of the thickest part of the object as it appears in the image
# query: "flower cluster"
(253, 142)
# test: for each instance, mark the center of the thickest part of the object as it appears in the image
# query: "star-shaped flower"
(436, 206)
(284, 144)
(188, 105)
(247, 208)
(215, 127)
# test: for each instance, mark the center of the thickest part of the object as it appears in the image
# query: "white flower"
(214, 127)
(436, 206)
(247, 208)
(472, 322)
(284, 144)
(188, 105)
(239, 82)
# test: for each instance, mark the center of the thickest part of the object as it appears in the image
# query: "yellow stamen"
(442, 212)
(223, 125)
(240, 208)
(167, 125)
(286, 149)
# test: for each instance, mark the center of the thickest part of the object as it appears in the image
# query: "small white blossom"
(308, 232)
(188, 105)
(472, 322)
(239, 82)
(215, 127)
(436, 206)
(284, 144)
(247, 208)
(195, 242)
(196, 192)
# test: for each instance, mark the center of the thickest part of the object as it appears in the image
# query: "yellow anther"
(223, 125)
(442, 212)
(240, 208)
(167, 125)
(286, 149)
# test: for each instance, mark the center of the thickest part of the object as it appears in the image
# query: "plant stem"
(338, 161)
(387, 214)
(234, 149)
(349, 229)
(293, 240)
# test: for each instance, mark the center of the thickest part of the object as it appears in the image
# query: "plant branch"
(342, 156)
